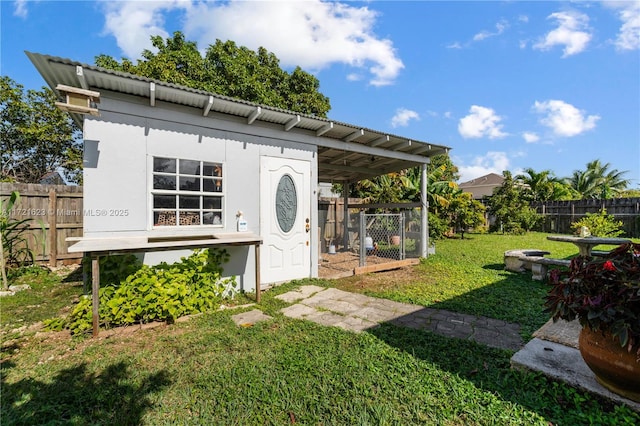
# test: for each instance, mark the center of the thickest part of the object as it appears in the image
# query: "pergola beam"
(421, 149)
(354, 135)
(381, 140)
(339, 167)
(81, 79)
(208, 106)
(254, 115)
(324, 129)
(292, 123)
(152, 94)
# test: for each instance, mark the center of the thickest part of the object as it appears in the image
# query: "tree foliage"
(35, 137)
(511, 208)
(598, 181)
(465, 213)
(227, 69)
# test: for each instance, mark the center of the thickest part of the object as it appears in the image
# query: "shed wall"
(119, 146)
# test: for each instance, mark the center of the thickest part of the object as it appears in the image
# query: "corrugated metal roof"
(346, 152)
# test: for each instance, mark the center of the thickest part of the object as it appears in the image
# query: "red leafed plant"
(602, 293)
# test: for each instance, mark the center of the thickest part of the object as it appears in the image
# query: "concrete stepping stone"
(249, 318)
(302, 293)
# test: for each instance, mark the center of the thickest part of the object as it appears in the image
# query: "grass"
(468, 276)
(50, 295)
(208, 371)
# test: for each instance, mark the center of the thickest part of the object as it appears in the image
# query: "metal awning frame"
(346, 153)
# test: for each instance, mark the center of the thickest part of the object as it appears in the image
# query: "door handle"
(307, 226)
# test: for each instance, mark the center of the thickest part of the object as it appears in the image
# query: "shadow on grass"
(79, 396)
(494, 267)
(489, 369)
(76, 276)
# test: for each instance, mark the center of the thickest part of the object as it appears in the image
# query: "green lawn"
(468, 276)
(209, 371)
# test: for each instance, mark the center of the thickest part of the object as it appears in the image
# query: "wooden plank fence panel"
(558, 215)
(55, 212)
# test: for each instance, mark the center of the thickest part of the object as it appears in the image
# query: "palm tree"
(539, 184)
(598, 181)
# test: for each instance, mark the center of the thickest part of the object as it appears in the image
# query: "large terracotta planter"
(615, 368)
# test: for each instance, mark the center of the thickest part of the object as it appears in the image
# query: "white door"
(285, 215)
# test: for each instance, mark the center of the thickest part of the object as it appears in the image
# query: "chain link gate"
(381, 236)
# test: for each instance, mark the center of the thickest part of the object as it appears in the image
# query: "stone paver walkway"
(357, 312)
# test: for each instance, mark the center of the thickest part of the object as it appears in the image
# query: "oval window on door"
(286, 203)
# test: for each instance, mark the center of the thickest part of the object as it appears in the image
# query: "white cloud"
(403, 116)
(310, 34)
(563, 118)
(20, 8)
(448, 114)
(572, 33)
(523, 18)
(629, 13)
(492, 162)
(500, 27)
(530, 137)
(481, 121)
(132, 23)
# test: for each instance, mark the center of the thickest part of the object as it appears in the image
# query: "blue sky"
(507, 85)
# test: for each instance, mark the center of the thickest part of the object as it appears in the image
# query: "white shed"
(167, 166)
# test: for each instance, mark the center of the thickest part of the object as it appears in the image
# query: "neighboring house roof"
(52, 178)
(482, 186)
(345, 152)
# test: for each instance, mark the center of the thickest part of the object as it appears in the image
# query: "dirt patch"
(342, 264)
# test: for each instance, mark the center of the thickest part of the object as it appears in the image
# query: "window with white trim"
(187, 192)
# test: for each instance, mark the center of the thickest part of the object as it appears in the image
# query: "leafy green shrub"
(115, 269)
(438, 227)
(599, 224)
(160, 293)
(529, 219)
(54, 324)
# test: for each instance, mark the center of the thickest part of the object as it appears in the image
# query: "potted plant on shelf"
(603, 293)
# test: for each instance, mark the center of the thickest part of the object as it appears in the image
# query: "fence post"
(53, 235)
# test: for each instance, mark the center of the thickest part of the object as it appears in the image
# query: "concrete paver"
(299, 294)
(357, 312)
(249, 318)
(564, 363)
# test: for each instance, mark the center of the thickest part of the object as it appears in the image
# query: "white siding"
(118, 148)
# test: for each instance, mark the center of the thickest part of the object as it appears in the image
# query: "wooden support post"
(95, 290)
(257, 260)
(53, 234)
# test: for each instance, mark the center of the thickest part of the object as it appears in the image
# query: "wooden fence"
(558, 215)
(56, 214)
